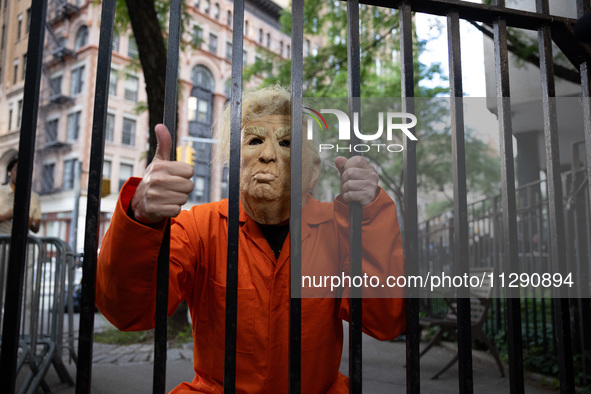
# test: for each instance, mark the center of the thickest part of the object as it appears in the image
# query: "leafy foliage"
(325, 74)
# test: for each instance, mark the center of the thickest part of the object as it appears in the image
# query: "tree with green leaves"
(325, 75)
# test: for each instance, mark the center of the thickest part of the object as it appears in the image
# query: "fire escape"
(54, 100)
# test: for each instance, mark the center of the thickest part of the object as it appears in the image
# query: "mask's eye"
(255, 141)
(284, 143)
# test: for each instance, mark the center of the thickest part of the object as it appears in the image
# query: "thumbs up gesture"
(359, 179)
(166, 184)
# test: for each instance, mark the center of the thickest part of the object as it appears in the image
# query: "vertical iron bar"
(295, 222)
(355, 241)
(510, 240)
(411, 239)
(162, 268)
(97, 148)
(20, 227)
(585, 70)
(555, 209)
(233, 202)
(460, 202)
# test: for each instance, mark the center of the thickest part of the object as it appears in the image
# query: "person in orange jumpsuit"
(126, 274)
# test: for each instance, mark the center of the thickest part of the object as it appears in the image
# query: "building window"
(229, 18)
(19, 115)
(245, 28)
(10, 119)
(132, 51)
(281, 48)
(197, 3)
(213, 43)
(229, 50)
(110, 128)
(268, 40)
(55, 86)
(115, 45)
(307, 47)
(107, 169)
(128, 132)
(73, 131)
(77, 83)
(3, 34)
(125, 172)
(197, 36)
(24, 66)
(107, 173)
(81, 38)
(69, 174)
(288, 51)
(202, 77)
(261, 36)
(207, 6)
(216, 11)
(47, 179)
(51, 130)
(199, 191)
(131, 88)
(19, 26)
(15, 71)
(113, 79)
(28, 20)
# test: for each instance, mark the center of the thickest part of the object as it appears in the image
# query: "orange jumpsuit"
(126, 289)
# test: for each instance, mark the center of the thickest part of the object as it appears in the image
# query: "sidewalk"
(128, 370)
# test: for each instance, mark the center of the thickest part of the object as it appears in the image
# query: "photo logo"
(317, 117)
(395, 122)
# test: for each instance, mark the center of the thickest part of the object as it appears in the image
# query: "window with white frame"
(81, 38)
(77, 81)
(15, 67)
(125, 172)
(19, 26)
(132, 50)
(51, 128)
(216, 11)
(197, 36)
(73, 131)
(69, 165)
(110, 128)
(19, 114)
(55, 85)
(213, 43)
(131, 88)
(128, 132)
(47, 178)
(113, 79)
(115, 45)
(229, 50)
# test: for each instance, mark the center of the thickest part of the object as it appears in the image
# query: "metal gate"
(548, 28)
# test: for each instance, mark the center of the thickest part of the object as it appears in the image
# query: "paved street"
(128, 369)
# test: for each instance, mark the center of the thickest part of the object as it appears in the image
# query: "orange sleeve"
(126, 269)
(382, 256)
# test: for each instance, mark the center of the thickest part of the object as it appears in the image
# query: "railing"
(547, 26)
(48, 279)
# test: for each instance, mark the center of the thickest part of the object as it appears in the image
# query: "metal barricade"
(48, 260)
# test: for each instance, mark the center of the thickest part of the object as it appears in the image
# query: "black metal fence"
(486, 249)
(548, 28)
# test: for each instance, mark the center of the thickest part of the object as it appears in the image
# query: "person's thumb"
(164, 142)
(339, 162)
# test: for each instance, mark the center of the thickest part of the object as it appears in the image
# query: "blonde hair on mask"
(274, 100)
